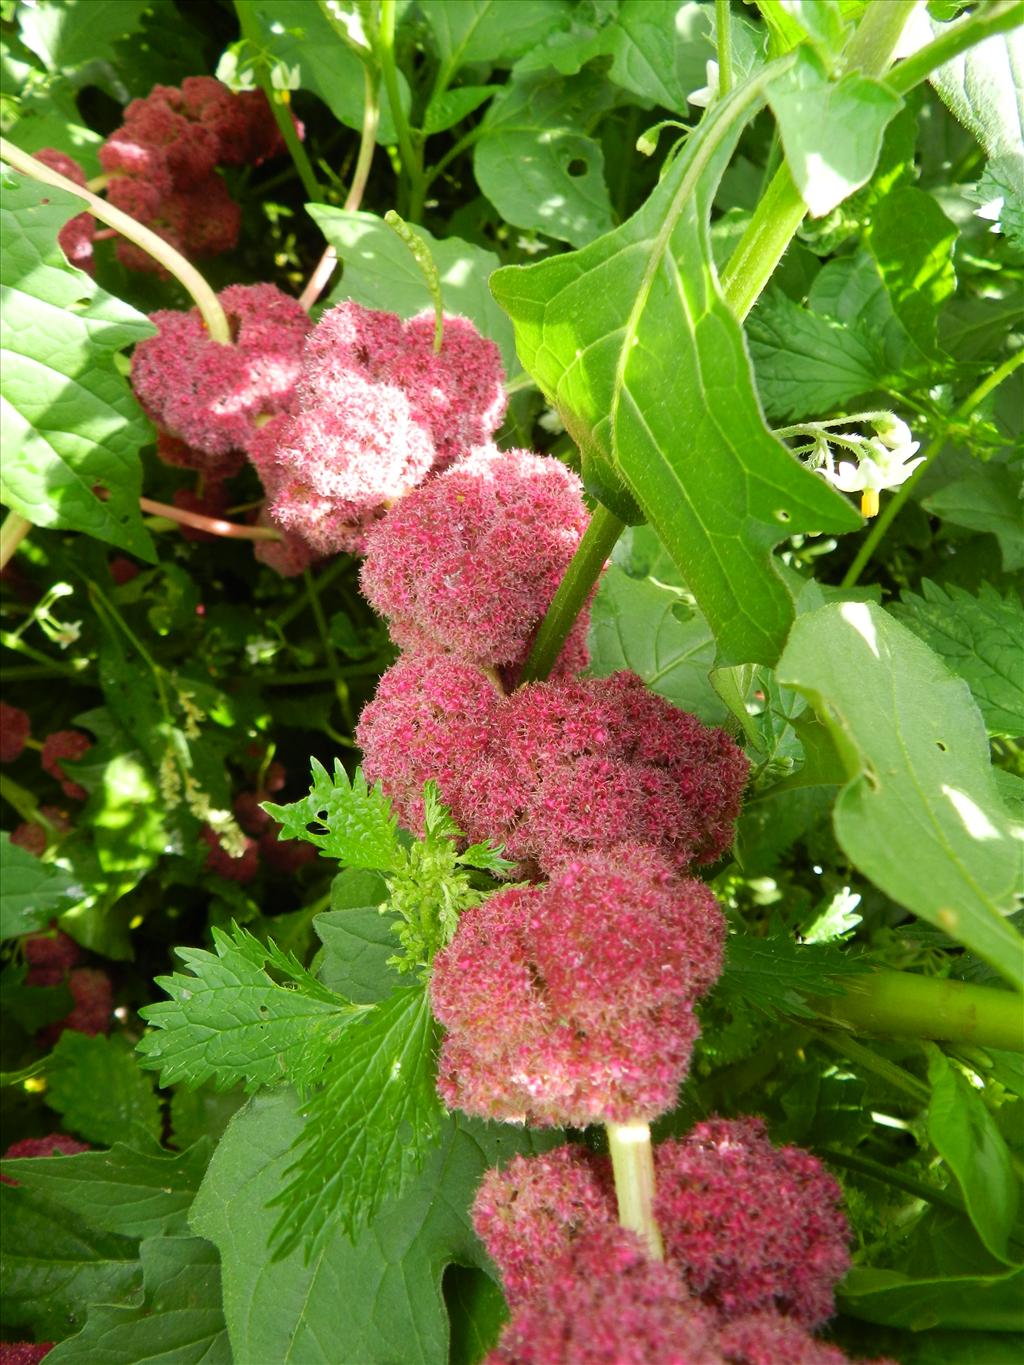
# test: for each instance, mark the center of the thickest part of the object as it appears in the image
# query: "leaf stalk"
(633, 1168)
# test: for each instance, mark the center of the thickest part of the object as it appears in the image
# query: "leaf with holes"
(353, 821)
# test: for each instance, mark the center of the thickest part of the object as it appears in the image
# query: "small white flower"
(893, 432)
(707, 94)
(883, 468)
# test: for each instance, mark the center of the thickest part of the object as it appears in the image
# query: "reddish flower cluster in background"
(75, 238)
(162, 163)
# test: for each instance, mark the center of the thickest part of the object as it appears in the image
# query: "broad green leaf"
(632, 341)
(965, 1135)
(989, 499)
(920, 814)
(296, 34)
(229, 1021)
(981, 638)
(648, 627)
(779, 975)
(535, 161)
(389, 1279)
(369, 1124)
(975, 329)
(353, 821)
(478, 31)
(54, 1264)
(476, 1311)
(1000, 196)
(358, 940)
(988, 1302)
(380, 272)
(71, 33)
(792, 21)
(96, 1086)
(984, 88)
(71, 428)
(32, 892)
(179, 1321)
(133, 1189)
(659, 51)
(451, 107)
(912, 242)
(831, 130)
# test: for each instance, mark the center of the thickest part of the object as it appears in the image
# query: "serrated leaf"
(358, 939)
(368, 1126)
(912, 242)
(179, 1321)
(389, 1279)
(988, 500)
(965, 1135)
(535, 162)
(380, 272)
(780, 975)
(646, 626)
(229, 1022)
(488, 30)
(95, 1084)
(831, 130)
(32, 892)
(54, 1264)
(658, 51)
(133, 1189)
(981, 638)
(983, 88)
(920, 814)
(71, 427)
(1000, 196)
(631, 339)
(353, 821)
(71, 33)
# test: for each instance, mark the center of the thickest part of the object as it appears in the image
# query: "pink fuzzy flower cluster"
(75, 238)
(15, 728)
(162, 164)
(549, 1224)
(470, 561)
(378, 411)
(62, 745)
(209, 398)
(52, 961)
(24, 1352)
(557, 768)
(572, 1002)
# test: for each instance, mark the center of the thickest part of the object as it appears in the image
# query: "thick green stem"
(896, 503)
(13, 531)
(583, 572)
(384, 50)
(723, 44)
(902, 1005)
(633, 1167)
(173, 262)
(1000, 17)
(282, 114)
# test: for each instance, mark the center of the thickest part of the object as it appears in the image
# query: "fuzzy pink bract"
(572, 1003)
(61, 745)
(751, 1226)
(470, 561)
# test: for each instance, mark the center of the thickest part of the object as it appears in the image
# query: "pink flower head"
(470, 561)
(289, 556)
(181, 456)
(595, 762)
(751, 1226)
(202, 220)
(23, 1352)
(210, 395)
(61, 745)
(15, 728)
(768, 1339)
(334, 469)
(285, 856)
(219, 860)
(432, 717)
(529, 1214)
(76, 236)
(57, 1144)
(572, 1003)
(93, 998)
(50, 957)
(29, 836)
(607, 1303)
(348, 340)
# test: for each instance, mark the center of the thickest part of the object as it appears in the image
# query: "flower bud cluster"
(754, 1246)
(75, 238)
(162, 163)
(52, 960)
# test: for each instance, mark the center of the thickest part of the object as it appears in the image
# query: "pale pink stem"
(215, 526)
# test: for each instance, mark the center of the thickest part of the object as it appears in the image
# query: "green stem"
(584, 569)
(633, 1167)
(896, 503)
(384, 50)
(463, 144)
(781, 209)
(110, 616)
(282, 114)
(20, 799)
(330, 654)
(903, 1005)
(13, 531)
(886, 1175)
(299, 603)
(15, 642)
(896, 1076)
(1001, 17)
(427, 267)
(174, 263)
(723, 43)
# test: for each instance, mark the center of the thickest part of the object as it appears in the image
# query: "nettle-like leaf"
(230, 1022)
(95, 1084)
(779, 975)
(920, 814)
(71, 428)
(989, 500)
(369, 1124)
(179, 1320)
(633, 342)
(350, 820)
(387, 1281)
(981, 638)
(32, 892)
(381, 272)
